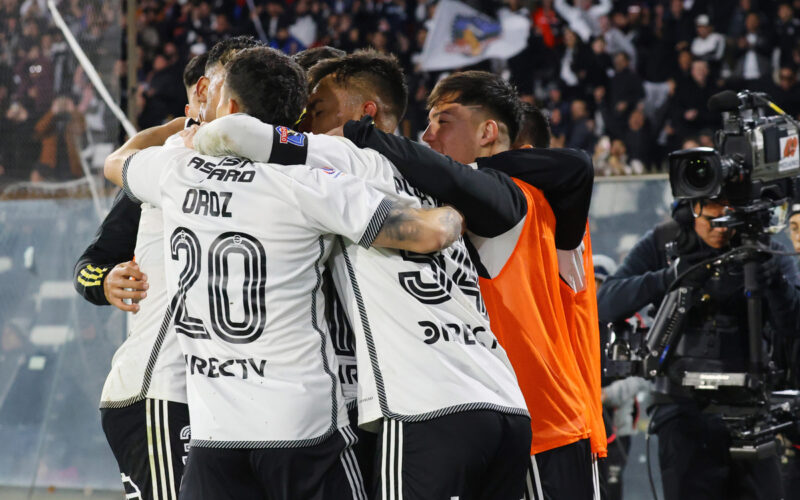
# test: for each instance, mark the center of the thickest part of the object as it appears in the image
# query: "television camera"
(754, 168)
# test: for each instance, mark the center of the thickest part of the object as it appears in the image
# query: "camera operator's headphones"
(677, 235)
(682, 212)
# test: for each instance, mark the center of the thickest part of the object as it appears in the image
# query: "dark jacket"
(715, 336)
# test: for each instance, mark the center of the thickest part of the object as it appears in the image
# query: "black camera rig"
(755, 168)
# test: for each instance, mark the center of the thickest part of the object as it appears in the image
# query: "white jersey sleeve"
(337, 203)
(248, 137)
(143, 173)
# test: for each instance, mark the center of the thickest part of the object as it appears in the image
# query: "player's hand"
(188, 136)
(126, 275)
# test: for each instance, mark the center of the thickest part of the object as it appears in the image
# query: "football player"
(248, 243)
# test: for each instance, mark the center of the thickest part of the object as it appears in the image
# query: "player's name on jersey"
(215, 368)
(402, 186)
(454, 332)
(207, 202)
(228, 169)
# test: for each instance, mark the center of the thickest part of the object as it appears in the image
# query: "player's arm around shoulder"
(420, 230)
(338, 203)
(248, 137)
(154, 136)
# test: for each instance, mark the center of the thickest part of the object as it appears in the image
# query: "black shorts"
(472, 455)
(564, 472)
(150, 440)
(364, 448)
(326, 471)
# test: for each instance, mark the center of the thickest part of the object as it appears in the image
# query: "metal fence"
(55, 351)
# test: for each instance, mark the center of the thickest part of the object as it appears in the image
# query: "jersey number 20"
(254, 302)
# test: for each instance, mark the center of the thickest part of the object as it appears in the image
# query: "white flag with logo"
(462, 36)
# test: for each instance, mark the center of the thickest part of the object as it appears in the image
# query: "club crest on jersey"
(332, 172)
(288, 136)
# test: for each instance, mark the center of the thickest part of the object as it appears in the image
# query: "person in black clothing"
(624, 91)
(787, 29)
(694, 445)
(638, 138)
(594, 66)
(786, 93)
(164, 96)
(580, 133)
(689, 109)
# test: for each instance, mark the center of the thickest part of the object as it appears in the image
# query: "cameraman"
(693, 445)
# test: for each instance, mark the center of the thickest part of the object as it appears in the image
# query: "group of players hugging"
(339, 311)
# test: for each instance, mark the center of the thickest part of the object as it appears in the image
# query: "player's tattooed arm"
(420, 230)
(153, 136)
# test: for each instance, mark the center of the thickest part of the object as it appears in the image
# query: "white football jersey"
(344, 345)
(149, 363)
(425, 348)
(245, 247)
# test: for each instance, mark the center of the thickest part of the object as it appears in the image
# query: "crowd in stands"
(625, 80)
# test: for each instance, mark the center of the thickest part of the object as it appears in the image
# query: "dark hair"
(194, 69)
(623, 54)
(268, 85)
(535, 129)
(372, 72)
(224, 50)
(309, 57)
(491, 91)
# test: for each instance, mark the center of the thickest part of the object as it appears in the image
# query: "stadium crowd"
(625, 80)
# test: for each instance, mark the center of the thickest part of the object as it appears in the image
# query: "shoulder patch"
(288, 147)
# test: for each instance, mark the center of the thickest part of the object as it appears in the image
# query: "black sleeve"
(490, 201)
(565, 177)
(639, 281)
(114, 242)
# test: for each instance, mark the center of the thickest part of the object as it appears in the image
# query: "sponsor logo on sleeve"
(288, 147)
(288, 136)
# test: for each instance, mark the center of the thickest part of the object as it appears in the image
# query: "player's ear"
(233, 106)
(201, 89)
(186, 111)
(489, 132)
(369, 108)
